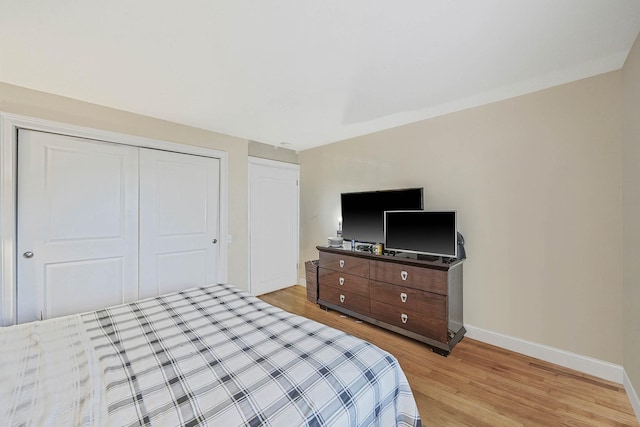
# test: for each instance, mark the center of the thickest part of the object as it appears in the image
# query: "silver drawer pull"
(341, 298)
(341, 280)
(403, 297)
(341, 263)
(404, 318)
(404, 275)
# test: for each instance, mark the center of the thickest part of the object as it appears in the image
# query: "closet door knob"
(214, 241)
(28, 254)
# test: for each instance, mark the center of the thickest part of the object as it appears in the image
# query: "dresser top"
(437, 265)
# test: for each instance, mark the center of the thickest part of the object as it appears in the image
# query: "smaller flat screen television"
(421, 232)
(363, 212)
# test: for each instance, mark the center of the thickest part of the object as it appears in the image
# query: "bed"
(212, 356)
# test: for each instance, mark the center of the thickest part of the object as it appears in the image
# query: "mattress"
(212, 356)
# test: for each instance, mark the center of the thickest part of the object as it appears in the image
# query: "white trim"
(588, 365)
(8, 161)
(302, 281)
(631, 392)
(9, 125)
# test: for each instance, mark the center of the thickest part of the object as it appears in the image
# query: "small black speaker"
(462, 254)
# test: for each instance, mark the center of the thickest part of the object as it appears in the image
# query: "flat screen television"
(363, 212)
(421, 232)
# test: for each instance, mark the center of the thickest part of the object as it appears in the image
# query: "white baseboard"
(302, 281)
(633, 396)
(588, 365)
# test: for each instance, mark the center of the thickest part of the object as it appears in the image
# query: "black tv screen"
(363, 212)
(429, 233)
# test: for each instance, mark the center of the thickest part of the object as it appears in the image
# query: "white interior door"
(179, 195)
(273, 212)
(77, 225)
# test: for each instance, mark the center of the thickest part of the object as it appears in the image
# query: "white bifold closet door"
(101, 224)
(179, 196)
(77, 225)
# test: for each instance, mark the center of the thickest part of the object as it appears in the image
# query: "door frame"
(9, 125)
(274, 164)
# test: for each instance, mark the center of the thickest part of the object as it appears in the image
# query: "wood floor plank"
(479, 384)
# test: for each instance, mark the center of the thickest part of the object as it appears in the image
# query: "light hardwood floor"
(479, 384)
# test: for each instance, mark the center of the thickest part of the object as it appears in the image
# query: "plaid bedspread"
(212, 356)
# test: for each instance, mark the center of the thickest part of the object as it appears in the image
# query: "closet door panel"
(78, 217)
(180, 270)
(179, 196)
(76, 286)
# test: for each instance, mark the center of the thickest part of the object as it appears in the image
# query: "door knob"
(28, 254)
(214, 241)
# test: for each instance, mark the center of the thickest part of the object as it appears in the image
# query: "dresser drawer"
(345, 263)
(425, 279)
(424, 303)
(348, 300)
(410, 320)
(347, 282)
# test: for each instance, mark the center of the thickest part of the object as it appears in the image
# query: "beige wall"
(271, 152)
(41, 105)
(631, 213)
(536, 183)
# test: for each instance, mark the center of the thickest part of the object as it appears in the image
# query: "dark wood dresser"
(416, 298)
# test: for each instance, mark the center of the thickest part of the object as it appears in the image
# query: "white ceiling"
(307, 72)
